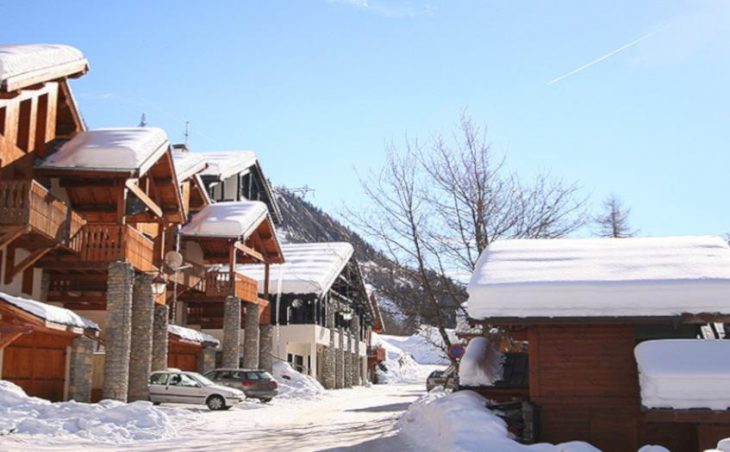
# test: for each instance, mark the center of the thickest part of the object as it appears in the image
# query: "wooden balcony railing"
(26, 202)
(114, 242)
(192, 276)
(218, 284)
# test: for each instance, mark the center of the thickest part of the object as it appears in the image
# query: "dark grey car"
(255, 383)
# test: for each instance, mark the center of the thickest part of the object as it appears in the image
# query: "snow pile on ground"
(295, 385)
(481, 364)
(722, 446)
(461, 422)
(653, 448)
(400, 365)
(648, 276)
(684, 373)
(108, 421)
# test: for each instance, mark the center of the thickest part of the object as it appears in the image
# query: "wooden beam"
(8, 338)
(11, 269)
(249, 251)
(10, 237)
(137, 191)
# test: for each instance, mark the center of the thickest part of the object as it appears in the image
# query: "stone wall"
(266, 348)
(140, 357)
(340, 361)
(328, 367)
(206, 359)
(118, 330)
(81, 369)
(251, 337)
(159, 337)
(231, 331)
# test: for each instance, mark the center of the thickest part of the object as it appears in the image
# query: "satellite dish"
(173, 259)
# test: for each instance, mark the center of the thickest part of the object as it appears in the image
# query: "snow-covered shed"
(190, 349)
(582, 305)
(34, 342)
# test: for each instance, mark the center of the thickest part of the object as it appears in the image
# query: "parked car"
(255, 383)
(448, 378)
(176, 386)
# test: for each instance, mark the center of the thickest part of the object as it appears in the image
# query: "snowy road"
(350, 419)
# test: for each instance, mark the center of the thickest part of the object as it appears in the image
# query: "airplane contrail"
(601, 58)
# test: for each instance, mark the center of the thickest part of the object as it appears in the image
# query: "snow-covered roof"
(133, 149)
(191, 335)
(232, 219)
(224, 164)
(684, 373)
(310, 268)
(38, 62)
(49, 313)
(187, 164)
(626, 277)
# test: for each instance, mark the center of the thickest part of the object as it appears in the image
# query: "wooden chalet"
(36, 344)
(237, 176)
(322, 301)
(583, 305)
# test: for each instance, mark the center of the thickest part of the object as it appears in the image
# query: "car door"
(187, 390)
(158, 387)
(229, 378)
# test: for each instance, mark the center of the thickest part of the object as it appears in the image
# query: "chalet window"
(26, 108)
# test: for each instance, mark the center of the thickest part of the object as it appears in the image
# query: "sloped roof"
(224, 164)
(187, 164)
(233, 219)
(24, 64)
(133, 149)
(310, 268)
(660, 276)
(49, 313)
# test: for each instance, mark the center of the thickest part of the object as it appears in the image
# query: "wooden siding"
(37, 363)
(183, 356)
(584, 380)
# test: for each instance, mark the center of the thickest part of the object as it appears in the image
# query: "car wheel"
(265, 400)
(215, 402)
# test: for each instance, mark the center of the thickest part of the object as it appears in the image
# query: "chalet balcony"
(105, 243)
(34, 217)
(217, 285)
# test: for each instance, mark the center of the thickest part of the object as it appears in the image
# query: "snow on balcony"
(684, 373)
(665, 276)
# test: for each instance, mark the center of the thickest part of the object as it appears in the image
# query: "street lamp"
(159, 285)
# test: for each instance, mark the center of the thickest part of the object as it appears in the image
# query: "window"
(182, 380)
(158, 379)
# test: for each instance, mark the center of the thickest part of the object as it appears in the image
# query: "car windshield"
(201, 379)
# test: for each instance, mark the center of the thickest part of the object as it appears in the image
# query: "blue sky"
(318, 87)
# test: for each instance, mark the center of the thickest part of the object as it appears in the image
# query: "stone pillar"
(266, 348)
(356, 367)
(340, 361)
(206, 360)
(140, 354)
(159, 337)
(81, 369)
(251, 337)
(118, 330)
(231, 331)
(328, 367)
(348, 360)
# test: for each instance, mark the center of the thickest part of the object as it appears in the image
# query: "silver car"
(176, 386)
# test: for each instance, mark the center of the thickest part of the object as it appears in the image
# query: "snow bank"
(461, 422)
(426, 346)
(400, 365)
(684, 373)
(30, 60)
(310, 268)
(132, 149)
(231, 219)
(481, 364)
(224, 164)
(601, 277)
(49, 313)
(295, 385)
(653, 448)
(722, 446)
(192, 335)
(107, 422)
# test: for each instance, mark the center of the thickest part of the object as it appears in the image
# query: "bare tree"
(613, 221)
(435, 209)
